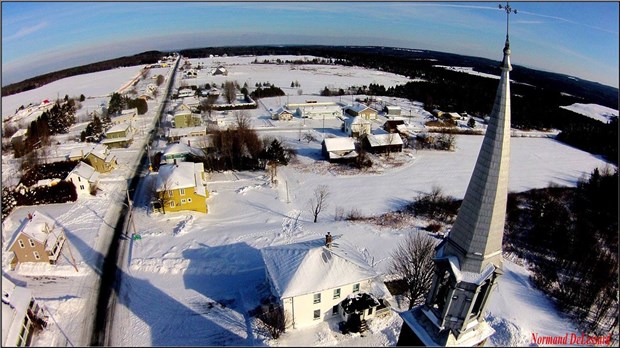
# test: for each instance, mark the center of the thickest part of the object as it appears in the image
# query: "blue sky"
(575, 38)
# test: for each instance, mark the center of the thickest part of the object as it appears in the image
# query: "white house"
(20, 314)
(311, 279)
(179, 152)
(315, 110)
(356, 126)
(84, 177)
(282, 114)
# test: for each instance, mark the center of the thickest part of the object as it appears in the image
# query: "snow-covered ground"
(595, 111)
(193, 277)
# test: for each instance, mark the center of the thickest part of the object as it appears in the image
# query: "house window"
(356, 287)
(81, 187)
(36, 255)
(370, 311)
(169, 193)
(317, 298)
(31, 242)
(336, 293)
(189, 200)
(171, 204)
(335, 310)
(317, 314)
(182, 192)
(21, 243)
(182, 201)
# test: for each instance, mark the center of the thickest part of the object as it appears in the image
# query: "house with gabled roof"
(84, 177)
(38, 239)
(178, 152)
(311, 280)
(185, 118)
(383, 143)
(176, 134)
(120, 135)
(180, 186)
(101, 159)
(357, 126)
(282, 114)
(126, 116)
(362, 111)
(21, 314)
(339, 149)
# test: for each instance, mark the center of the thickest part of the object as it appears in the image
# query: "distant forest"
(536, 101)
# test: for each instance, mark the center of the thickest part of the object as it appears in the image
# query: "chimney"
(328, 240)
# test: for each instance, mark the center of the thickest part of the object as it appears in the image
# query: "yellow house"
(363, 111)
(39, 239)
(101, 159)
(180, 186)
(120, 135)
(185, 118)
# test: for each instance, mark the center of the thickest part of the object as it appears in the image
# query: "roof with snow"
(85, 171)
(40, 228)
(176, 132)
(359, 108)
(15, 302)
(308, 267)
(177, 148)
(123, 127)
(339, 144)
(181, 175)
(20, 133)
(356, 120)
(384, 139)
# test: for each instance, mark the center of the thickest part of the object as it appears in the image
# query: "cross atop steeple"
(508, 10)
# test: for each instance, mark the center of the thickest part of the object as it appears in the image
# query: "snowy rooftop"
(13, 313)
(119, 128)
(85, 171)
(339, 144)
(384, 139)
(178, 148)
(181, 175)
(307, 267)
(41, 228)
(359, 107)
(175, 132)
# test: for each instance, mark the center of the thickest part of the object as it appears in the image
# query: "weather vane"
(508, 10)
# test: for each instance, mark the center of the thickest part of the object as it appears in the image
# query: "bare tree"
(163, 194)
(275, 320)
(230, 91)
(319, 201)
(413, 262)
(206, 105)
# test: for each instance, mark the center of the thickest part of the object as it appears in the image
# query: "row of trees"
(62, 192)
(57, 120)
(571, 238)
(119, 103)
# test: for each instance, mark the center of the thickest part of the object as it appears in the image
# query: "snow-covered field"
(193, 277)
(595, 111)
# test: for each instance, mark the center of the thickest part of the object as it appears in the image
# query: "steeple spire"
(476, 237)
(469, 261)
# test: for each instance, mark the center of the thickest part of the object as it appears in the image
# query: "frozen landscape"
(192, 278)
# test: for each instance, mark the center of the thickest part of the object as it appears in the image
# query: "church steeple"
(476, 237)
(469, 260)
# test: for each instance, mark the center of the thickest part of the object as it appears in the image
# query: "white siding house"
(311, 279)
(84, 177)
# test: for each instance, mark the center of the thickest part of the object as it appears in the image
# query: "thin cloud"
(27, 31)
(569, 22)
